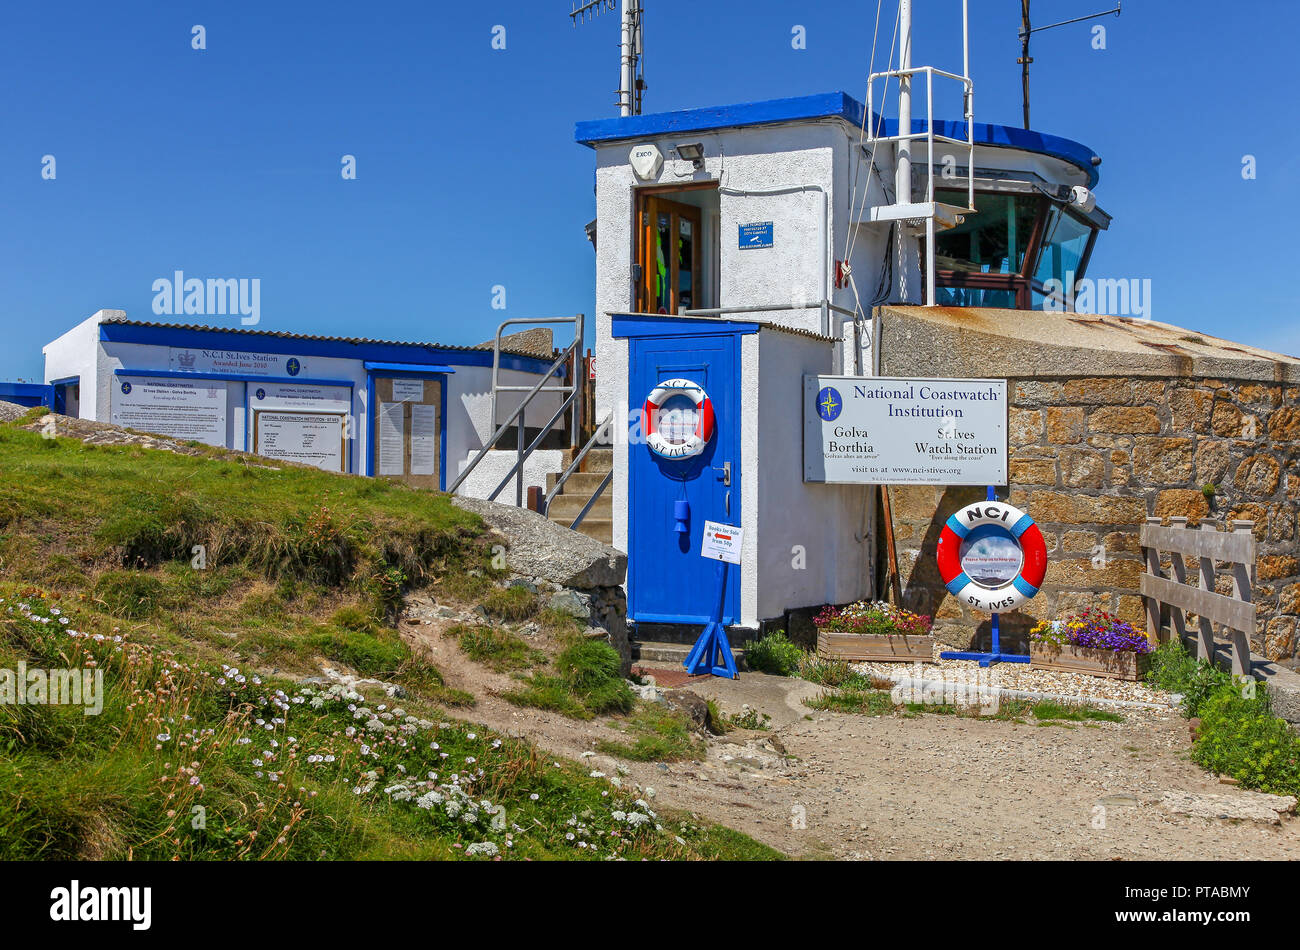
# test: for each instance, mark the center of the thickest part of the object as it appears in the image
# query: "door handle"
(725, 469)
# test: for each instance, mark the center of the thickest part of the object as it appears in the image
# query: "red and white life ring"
(1022, 528)
(697, 440)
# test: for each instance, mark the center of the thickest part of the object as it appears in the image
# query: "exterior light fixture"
(692, 152)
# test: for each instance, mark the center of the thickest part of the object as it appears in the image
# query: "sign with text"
(234, 362)
(758, 234)
(721, 542)
(883, 431)
(311, 438)
(190, 411)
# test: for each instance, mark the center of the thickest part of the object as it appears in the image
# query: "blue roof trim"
(407, 368)
(627, 325)
(1008, 136)
(823, 105)
(421, 353)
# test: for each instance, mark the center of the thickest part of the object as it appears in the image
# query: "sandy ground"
(843, 786)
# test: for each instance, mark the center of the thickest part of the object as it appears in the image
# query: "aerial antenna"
(631, 69)
(1026, 31)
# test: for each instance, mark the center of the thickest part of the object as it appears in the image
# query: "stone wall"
(1091, 457)
(1111, 420)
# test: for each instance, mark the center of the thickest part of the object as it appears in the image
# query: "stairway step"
(599, 460)
(579, 483)
(566, 507)
(593, 526)
(656, 652)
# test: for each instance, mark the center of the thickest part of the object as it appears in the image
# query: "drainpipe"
(823, 233)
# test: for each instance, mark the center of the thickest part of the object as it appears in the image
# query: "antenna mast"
(1026, 31)
(631, 71)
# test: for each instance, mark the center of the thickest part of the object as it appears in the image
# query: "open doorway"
(676, 263)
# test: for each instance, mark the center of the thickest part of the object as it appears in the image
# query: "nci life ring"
(695, 441)
(1019, 526)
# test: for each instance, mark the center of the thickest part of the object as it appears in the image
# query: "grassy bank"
(202, 591)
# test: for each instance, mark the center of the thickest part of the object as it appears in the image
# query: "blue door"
(668, 581)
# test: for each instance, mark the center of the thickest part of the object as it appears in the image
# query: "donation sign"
(881, 431)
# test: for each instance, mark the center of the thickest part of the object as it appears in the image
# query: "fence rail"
(1234, 548)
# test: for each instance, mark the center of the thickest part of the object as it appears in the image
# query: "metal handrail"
(604, 483)
(573, 466)
(579, 331)
(517, 470)
(574, 347)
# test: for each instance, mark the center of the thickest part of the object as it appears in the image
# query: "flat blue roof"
(823, 105)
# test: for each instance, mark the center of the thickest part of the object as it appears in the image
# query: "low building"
(411, 411)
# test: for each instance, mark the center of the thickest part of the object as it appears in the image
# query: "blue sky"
(225, 162)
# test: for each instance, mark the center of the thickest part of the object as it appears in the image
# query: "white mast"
(903, 149)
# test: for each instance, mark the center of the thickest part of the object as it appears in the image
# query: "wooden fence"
(1235, 549)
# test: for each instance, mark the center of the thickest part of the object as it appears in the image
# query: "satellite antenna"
(1026, 31)
(631, 76)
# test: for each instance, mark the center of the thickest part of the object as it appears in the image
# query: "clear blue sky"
(225, 162)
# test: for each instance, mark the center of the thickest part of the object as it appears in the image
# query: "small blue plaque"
(755, 235)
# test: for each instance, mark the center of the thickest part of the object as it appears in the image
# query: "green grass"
(838, 674)
(774, 654)
(658, 735)
(295, 565)
(587, 682)
(510, 603)
(497, 649)
(1047, 710)
(864, 703)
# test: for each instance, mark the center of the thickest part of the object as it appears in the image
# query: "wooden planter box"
(1120, 665)
(860, 647)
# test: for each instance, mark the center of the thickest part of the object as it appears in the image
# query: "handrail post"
(519, 475)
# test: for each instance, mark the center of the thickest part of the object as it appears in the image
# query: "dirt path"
(833, 785)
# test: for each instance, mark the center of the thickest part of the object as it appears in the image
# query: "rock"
(696, 709)
(1248, 806)
(480, 612)
(525, 583)
(541, 548)
(596, 633)
(571, 602)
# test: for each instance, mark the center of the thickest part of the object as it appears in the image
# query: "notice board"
(406, 429)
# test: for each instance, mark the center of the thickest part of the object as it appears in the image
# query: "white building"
(413, 411)
(740, 247)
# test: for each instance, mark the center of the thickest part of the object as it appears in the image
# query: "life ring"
(1021, 527)
(697, 440)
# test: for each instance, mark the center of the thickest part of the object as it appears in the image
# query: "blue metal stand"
(996, 655)
(704, 655)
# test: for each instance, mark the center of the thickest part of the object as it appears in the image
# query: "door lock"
(725, 469)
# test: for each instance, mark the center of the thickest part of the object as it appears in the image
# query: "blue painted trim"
(28, 394)
(406, 369)
(824, 105)
(632, 325)
(370, 422)
(957, 527)
(1021, 526)
(821, 105)
(1022, 585)
(957, 584)
(1009, 136)
(442, 432)
(64, 381)
(261, 342)
(233, 377)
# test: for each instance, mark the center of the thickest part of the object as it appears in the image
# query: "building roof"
(116, 326)
(981, 342)
(821, 106)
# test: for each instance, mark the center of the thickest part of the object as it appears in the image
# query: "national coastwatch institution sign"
(882, 431)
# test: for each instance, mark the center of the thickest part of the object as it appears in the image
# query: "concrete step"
(579, 483)
(650, 651)
(599, 529)
(566, 507)
(599, 460)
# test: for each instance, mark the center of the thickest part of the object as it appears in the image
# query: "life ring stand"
(698, 439)
(1033, 566)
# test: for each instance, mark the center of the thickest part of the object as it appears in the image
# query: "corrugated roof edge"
(279, 334)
